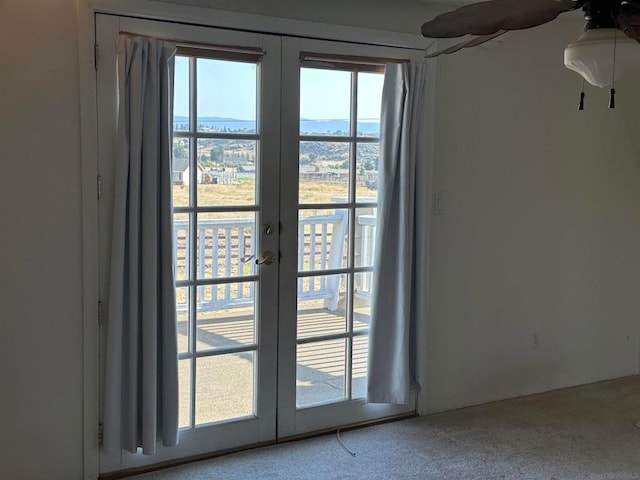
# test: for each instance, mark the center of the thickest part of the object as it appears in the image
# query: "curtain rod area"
(197, 48)
(272, 33)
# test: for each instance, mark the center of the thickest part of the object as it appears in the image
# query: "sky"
(228, 89)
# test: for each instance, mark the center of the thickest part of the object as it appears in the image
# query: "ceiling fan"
(604, 20)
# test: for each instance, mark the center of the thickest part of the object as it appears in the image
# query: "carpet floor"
(581, 433)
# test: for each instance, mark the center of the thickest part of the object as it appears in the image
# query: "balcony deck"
(225, 383)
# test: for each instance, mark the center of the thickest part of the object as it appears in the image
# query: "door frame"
(88, 57)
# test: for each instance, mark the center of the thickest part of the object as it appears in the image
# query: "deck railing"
(366, 249)
(226, 248)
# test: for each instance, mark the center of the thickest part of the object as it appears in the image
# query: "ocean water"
(312, 127)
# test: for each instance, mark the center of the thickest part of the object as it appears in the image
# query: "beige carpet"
(581, 433)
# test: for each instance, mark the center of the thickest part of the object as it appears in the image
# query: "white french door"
(225, 216)
(329, 165)
(274, 188)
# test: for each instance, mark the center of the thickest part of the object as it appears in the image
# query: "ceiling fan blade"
(629, 19)
(490, 16)
(474, 42)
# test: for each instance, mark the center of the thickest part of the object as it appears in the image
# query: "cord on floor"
(347, 449)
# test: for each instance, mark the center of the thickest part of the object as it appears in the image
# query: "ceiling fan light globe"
(592, 55)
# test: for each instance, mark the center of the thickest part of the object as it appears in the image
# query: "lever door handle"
(247, 258)
(267, 258)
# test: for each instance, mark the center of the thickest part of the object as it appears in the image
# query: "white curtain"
(398, 309)
(141, 391)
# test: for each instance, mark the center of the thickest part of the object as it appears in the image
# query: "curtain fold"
(399, 306)
(141, 377)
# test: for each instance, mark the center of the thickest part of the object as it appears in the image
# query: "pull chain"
(612, 98)
(581, 106)
(612, 92)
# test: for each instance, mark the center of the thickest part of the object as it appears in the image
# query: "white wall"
(628, 98)
(40, 261)
(541, 227)
(392, 15)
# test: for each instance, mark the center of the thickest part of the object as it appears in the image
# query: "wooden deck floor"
(225, 383)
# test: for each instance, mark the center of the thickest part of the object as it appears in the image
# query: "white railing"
(321, 241)
(222, 245)
(366, 228)
(226, 248)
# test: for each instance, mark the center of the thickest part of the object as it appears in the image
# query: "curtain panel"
(399, 306)
(141, 378)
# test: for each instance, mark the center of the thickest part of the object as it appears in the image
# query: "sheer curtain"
(398, 309)
(141, 391)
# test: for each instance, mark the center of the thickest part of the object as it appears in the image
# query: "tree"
(180, 150)
(370, 164)
(216, 154)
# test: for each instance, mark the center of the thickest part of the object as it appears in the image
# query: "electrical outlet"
(535, 340)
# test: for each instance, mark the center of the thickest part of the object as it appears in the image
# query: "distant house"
(337, 174)
(181, 175)
(324, 174)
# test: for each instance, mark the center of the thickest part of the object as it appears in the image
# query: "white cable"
(347, 449)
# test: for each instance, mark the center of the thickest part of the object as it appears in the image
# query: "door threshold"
(346, 428)
(209, 456)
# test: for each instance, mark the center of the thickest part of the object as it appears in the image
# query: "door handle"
(267, 258)
(247, 258)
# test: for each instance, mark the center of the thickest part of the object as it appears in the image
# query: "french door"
(329, 165)
(274, 188)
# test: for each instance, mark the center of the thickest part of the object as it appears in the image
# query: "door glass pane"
(321, 370)
(227, 96)
(362, 301)
(184, 393)
(226, 315)
(215, 154)
(369, 102)
(225, 244)
(224, 387)
(339, 173)
(226, 172)
(324, 172)
(367, 161)
(359, 366)
(181, 94)
(182, 245)
(322, 305)
(365, 236)
(182, 317)
(325, 102)
(180, 172)
(322, 239)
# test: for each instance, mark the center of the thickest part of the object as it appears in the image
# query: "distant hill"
(311, 127)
